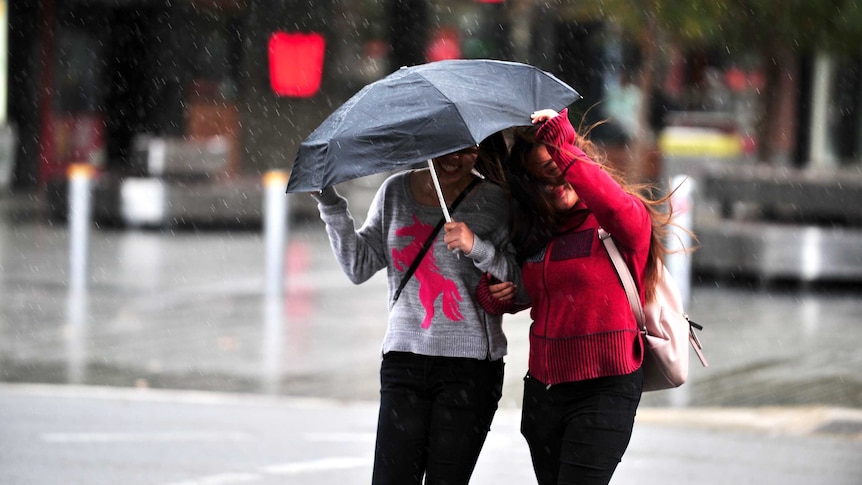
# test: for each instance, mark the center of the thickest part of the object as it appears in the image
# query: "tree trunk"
(773, 61)
(646, 157)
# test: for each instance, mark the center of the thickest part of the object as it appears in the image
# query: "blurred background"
(180, 110)
(183, 106)
(146, 241)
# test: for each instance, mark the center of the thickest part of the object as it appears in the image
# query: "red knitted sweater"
(583, 326)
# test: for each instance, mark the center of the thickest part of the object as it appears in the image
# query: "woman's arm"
(489, 249)
(498, 298)
(361, 253)
(620, 213)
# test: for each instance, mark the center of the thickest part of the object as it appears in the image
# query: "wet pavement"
(186, 310)
(98, 435)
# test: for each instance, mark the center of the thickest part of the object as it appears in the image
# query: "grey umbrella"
(421, 112)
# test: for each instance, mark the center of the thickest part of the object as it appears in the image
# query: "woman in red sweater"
(584, 381)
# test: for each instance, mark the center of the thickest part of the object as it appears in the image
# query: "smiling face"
(542, 168)
(453, 168)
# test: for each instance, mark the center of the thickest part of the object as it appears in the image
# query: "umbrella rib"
(457, 109)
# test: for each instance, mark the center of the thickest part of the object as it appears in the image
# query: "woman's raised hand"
(542, 115)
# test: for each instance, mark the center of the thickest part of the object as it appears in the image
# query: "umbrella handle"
(441, 199)
(439, 191)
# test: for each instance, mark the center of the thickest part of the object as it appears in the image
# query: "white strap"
(625, 277)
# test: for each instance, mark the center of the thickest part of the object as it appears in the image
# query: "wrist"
(558, 131)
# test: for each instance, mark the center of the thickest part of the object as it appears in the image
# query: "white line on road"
(341, 437)
(142, 437)
(296, 468)
(316, 465)
(221, 479)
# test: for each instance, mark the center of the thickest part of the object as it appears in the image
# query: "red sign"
(445, 44)
(296, 63)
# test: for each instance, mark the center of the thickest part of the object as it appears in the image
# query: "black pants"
(435, 413)
(578, 431)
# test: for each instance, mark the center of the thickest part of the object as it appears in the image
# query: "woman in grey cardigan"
(442, 368)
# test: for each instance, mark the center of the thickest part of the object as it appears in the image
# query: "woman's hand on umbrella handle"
(542, 115)
(458, 237)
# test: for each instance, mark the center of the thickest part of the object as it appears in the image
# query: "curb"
(790, 420)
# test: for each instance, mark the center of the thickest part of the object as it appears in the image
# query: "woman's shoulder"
(491, 187)
(396, 182)
(491, 200)
(397, 177)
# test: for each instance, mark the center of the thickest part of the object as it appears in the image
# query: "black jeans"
(578, 431)
(435, 413)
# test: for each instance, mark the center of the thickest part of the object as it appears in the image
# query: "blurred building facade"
(97, 81)
(184, 105)
(91, 80)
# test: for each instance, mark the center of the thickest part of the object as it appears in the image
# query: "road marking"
(297, 468)
(221, 479)
(142, 437)
(341, 437)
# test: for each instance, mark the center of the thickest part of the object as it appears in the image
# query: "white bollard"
(76, 335)
(275, 229)
(679, 263)
(272, 345)
(80, 212)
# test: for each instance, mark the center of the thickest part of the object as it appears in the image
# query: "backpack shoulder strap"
(625, 276)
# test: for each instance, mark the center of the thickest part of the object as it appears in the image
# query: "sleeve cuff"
(558, 130)
(491, 305)
(481, 252)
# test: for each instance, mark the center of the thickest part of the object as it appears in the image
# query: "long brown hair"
(535, 220)
(493, 152)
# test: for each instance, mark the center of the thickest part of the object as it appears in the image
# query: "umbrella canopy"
(421, 112)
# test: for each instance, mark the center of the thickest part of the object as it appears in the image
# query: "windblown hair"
(493, 152)
(535, 220)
